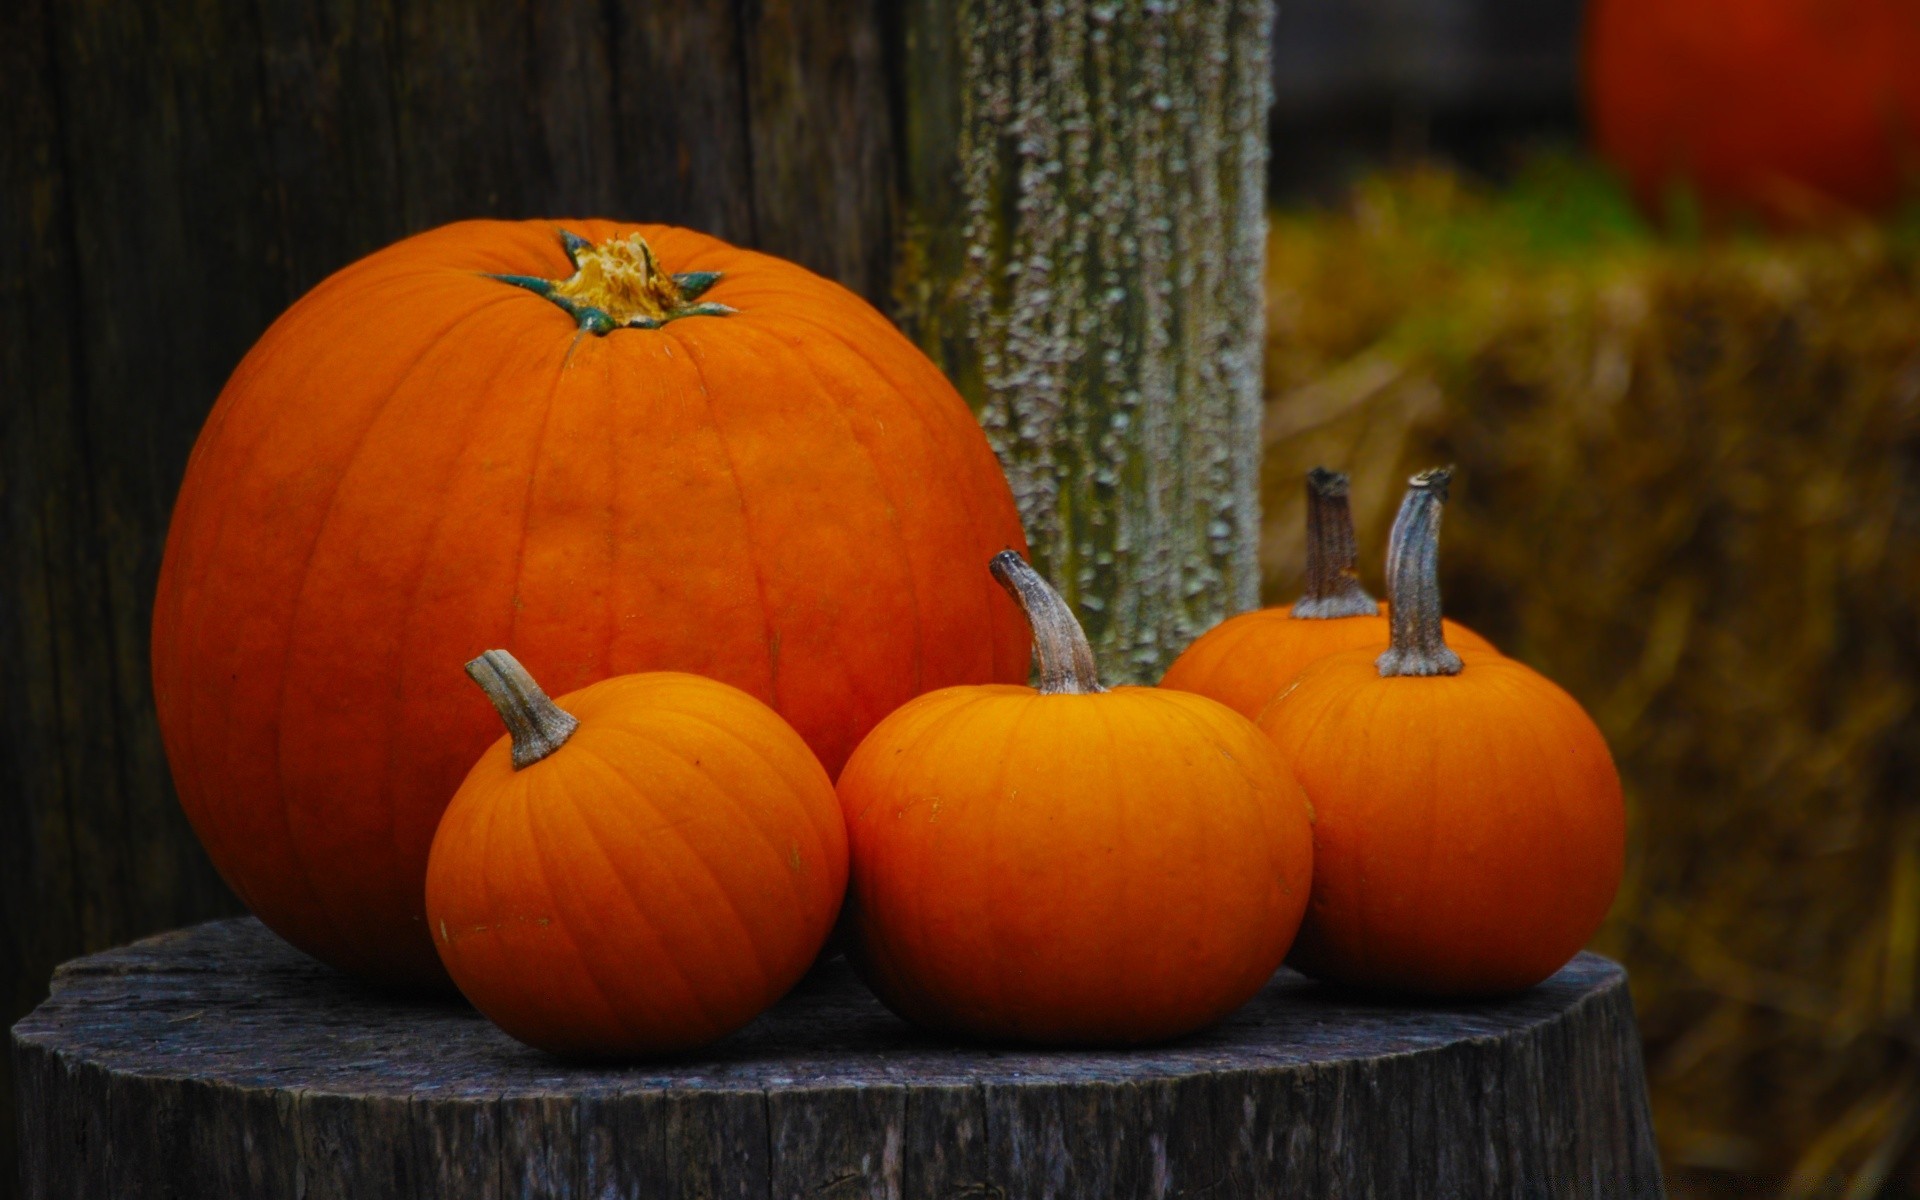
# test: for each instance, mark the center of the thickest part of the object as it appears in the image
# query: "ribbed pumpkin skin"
(650, 886)
(1469, 831)
(1113, 868)
(416, 463)
(1244, 660)
(1753, 101)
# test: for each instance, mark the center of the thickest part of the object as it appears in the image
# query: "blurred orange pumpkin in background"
(1796, 111)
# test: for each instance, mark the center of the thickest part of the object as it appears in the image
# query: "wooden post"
(1083, 240)
(218, 1061)
(177, 172)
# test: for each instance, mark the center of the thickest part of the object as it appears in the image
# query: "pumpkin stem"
(619, 284)
(1333, 584)
(1418, 645)
(1059, 644)
(537, 725)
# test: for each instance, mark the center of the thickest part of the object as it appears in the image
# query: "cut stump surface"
(218, 1061)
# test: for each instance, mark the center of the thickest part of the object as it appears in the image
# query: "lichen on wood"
(1083, 245)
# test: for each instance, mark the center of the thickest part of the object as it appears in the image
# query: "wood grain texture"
(1083, 238)
(175, 174)
(220, 1053)
(821, 133)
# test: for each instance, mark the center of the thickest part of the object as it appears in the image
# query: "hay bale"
(1689, 491)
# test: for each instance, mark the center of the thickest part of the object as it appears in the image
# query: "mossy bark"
(1083, 241)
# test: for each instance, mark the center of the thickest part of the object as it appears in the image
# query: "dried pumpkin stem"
(1418, 645)
(1059, 644)
(619, 284)
(1333, 582)
(537, 725)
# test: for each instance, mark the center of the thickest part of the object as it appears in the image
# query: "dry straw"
(1688, 490)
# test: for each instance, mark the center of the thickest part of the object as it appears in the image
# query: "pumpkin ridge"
(526, 503)
(924, 862)
(1563, 851)
(1436, 819)
(907, 760)
(1191, 719)
(880, 486)
(606, 393)
(1327, 705)
(1190, 716)
(1323, 709)
(947, 713)
(746, 518)
(217, 518)
(1494, 746)
(958, 478)
(629, 892)
(998, 839)
(623, 586)
(408, 612)
(535, 810)
(1548, 781)
(528, 991)
(939, 720)
(626, 888)
(361, 443)
(1125, 790)
(693, 855)
(773, 769)
(670, 424)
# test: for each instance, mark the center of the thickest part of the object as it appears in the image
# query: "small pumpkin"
(1068, 864)
(1244, 660)
(638, 868)
(608, 448)
(1469, 832)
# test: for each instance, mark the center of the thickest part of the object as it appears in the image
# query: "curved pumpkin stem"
(1418, 645)
(1333, 584)
(537, 725)
(1059, 644)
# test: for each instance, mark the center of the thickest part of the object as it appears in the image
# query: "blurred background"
(1681, 378)
(1665, 320)
(1360, 83)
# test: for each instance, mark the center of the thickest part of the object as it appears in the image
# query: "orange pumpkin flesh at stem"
(1244, 660)
(1068, 864)
(607, 448)
(638, 868)
(1469, 831)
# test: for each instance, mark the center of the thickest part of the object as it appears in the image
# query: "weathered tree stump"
(218, 1061)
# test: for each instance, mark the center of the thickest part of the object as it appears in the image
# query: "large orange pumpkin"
(640, 867)
(1245, 659)
(1469, 831)
(1791, 109)
(664, 460)
(1069, 864)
